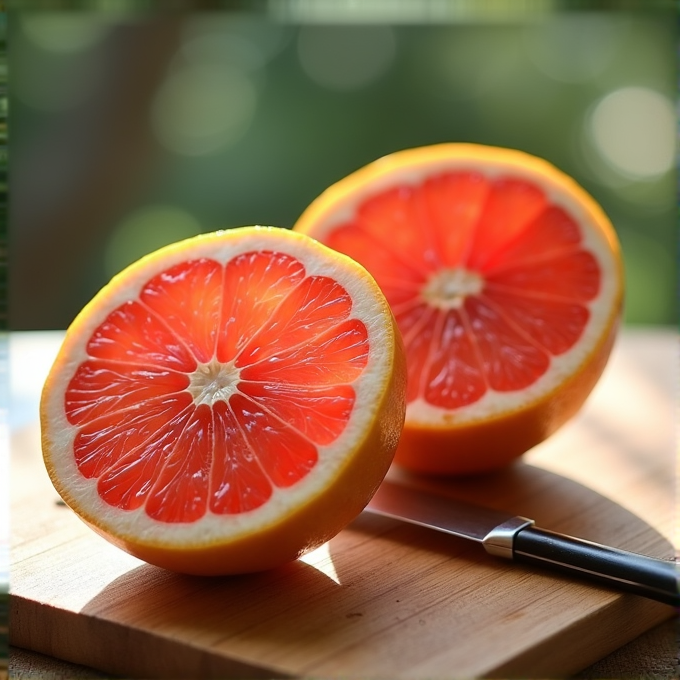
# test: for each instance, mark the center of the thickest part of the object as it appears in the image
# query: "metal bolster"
(499, 541)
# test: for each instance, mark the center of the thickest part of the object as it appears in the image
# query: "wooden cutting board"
(382, 599)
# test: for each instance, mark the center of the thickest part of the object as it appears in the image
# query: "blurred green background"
(132, 130)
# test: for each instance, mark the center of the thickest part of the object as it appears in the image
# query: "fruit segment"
(100, 388)
(334, 357)
(509, 359)
(455, 201)
(551, 232)
(319, 413)
(310, 309)
(452, 371)
(216, 386)
(187, 298)
(128, 481)
(238, 483)
(102, 442)
(121, 339)
(283, 453)
(553, 324)
(180, 488)
(510, 205)
(254, 285)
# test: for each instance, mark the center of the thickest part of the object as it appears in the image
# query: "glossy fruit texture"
(228, 403)
(505, 278)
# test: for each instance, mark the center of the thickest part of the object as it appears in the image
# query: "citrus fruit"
(226, 403)
(505, 278)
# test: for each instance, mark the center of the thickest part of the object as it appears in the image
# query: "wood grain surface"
(382, 599)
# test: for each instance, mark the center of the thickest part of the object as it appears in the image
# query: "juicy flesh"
(486, 278)
(217, 384)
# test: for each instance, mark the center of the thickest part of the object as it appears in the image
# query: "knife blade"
(517, 538)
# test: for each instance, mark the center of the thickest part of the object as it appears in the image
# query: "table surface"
(629, 418)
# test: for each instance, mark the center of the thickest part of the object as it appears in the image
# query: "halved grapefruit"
(226, 403)
(506, 281)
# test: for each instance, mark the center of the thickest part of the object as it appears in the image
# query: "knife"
(517, 538)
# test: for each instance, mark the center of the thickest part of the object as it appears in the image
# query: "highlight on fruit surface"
(226, 403)
(506, 281)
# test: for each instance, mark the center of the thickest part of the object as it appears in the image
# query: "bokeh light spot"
(144, 231)
(633, 129)
(346, 57)
(203, 108)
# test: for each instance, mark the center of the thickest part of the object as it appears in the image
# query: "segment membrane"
(337, 356)
(132, 334)
(180, 491)
(187, 297)
(509, 359)
(574, 276)
(311, 308)
(454, 377)
(101, 388)
(550, 234)
(282, 452)
(509, 207)
(396, 219)
(319, 413)
(127, 483)
(398, 278)
(254, 286)
(553, 324)
(418, 344)
(238, 482)
(101, 443)
(455, 201)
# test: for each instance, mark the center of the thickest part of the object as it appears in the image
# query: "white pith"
(211, 382)
(448, 288)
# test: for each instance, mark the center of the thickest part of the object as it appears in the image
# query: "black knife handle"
(654, 578)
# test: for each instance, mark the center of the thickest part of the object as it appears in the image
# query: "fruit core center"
(213, 381)
(448, 288)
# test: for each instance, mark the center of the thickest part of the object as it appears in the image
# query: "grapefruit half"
(506, 281)
(226, 403)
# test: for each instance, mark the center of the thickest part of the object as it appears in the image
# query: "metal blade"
(436, 512)
(500, 532)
